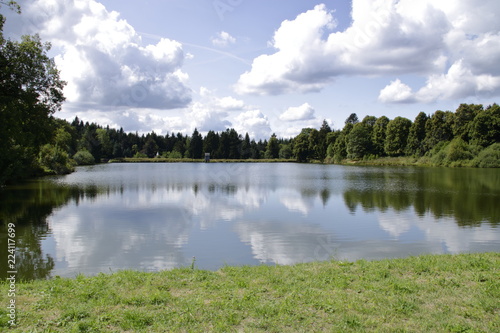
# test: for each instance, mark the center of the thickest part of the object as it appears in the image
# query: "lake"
(157, 216)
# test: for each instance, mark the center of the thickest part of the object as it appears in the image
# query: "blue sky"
(265, 67)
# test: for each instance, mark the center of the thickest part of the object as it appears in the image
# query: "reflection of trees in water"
(28, 206)
(470, 196)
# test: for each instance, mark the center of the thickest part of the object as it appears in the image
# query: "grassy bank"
(190, 160)
(459, 293)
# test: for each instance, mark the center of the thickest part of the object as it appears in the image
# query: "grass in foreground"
(459, 293)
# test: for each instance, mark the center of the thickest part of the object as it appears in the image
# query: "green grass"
(431, 293)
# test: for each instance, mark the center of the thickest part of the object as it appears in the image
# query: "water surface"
(158, 216)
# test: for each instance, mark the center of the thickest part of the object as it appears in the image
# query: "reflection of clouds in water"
(438, 232)
(127, 228)
(296, 203)
(91, 238)
(395, 224)
(456, 239)
(285, 242)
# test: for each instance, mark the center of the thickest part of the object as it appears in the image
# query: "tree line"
(461, 135)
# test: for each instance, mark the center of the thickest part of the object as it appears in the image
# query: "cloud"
(396, 92)
(442, 41)
(458, 82)
(223, 39)
(295, 118)
(303, 112)
(253, 122)
(230, 103)
(103, 59)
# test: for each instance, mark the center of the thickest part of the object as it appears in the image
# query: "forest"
(34, 142)
(448, 137)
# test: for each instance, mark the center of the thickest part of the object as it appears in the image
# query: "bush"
(140, 155)
(84, 157)
(458, 150)
(54, 160)
(174, 154)
(489, 157)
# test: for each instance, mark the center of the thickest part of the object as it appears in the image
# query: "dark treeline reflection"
(28, 205)
(470, 196)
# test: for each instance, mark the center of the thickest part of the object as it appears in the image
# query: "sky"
(264, 66)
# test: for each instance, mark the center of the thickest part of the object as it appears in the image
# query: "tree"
(463, 118)
(438, 129)
(378, 135)
(196, 145)
(315, 146)
(246, 148)
(359, 142)
(150, 147)
(234, 144)
(323, 144)
(485, 129)
(273, 148)
(211, 143)
(301, 147)
(416, 136)
(352, 119)
(105, 142)
(397, 136)
(285, 151)
(223, 150)
(30, 92)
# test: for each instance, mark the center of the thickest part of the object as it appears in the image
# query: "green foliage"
(458, 150)
(273, 148)
(104, 142)
(83, 157)
(359, 142)
(30, 92)
(301, 147)
(379, 134)
(438, 128)
(285, 151)
(485, 129)
(196, 145)
(54, 160)
(397, 136)
(340, 147)
(142, 155)
(173, 154)
(488, 158)
(464, 116)
(416, 136)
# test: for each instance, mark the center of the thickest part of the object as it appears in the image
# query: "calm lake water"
(152, 217)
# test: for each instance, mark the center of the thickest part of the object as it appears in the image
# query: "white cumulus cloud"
(223, 39)
(303, 112)
(103, 58)
(253, 122)
(445, 42)
(396, 92)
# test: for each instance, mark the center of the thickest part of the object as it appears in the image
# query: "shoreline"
(419, 294)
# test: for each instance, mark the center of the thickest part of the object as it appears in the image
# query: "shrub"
(458, 150)
(174, 154)
(140, 155)
(84, 157)
(55, 160)
(489, 157)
